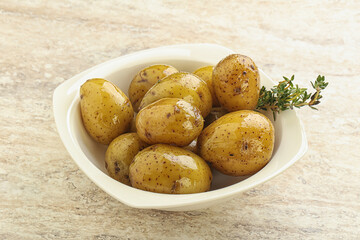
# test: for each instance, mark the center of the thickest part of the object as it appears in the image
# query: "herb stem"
(287, 96)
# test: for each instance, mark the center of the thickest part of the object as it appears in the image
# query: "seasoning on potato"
(239, 143)
(164, 168)
(145, 79)
(106, 111)
(182, 85)
(236, 82)
(120, 154)
(205, 73)
(169, 120)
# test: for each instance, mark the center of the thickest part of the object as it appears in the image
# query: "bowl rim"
(65, 96)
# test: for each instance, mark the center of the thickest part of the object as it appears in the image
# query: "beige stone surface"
(44, 195)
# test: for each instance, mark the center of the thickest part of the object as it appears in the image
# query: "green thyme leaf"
(286, 95)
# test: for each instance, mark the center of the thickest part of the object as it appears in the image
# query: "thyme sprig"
(287, 95)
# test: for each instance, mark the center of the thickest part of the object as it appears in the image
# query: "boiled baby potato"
(181, 85)
(205, 73)
(169, 120)
(145, 79)
(239, 143)
(106, 111)
(168, 169)
(120, 154)
(236, 83)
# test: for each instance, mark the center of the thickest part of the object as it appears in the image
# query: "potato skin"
(205, 73)
(164, 168)
(182, 85)
(239, 143)
(169, 120)
(145, 79)
(236, 82)
(106, 111)
(133, 126)
(120, 154)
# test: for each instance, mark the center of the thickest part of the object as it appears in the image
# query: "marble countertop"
(44, 195)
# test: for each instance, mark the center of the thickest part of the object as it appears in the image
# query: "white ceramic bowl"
(290, 142)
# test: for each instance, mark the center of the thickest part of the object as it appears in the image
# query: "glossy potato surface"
(120, 154)
(169, 120)
(182, 85)
(205, 73)
(239, 143)
(106, 111)
(164, 168)
(145, 79)
(133, 125)
(236, 82)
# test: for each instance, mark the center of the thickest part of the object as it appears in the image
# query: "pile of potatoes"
(185, 124)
